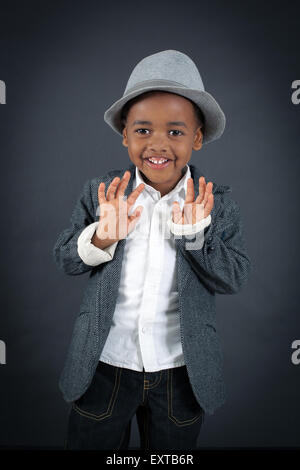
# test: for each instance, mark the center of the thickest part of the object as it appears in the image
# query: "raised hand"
(194, 211)
(114, 222)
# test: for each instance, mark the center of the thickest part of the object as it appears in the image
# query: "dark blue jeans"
(167, 412)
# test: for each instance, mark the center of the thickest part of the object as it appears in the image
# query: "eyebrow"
(170, 123)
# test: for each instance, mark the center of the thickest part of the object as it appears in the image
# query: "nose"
(158, 145)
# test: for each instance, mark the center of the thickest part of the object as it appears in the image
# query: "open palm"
(194, 211)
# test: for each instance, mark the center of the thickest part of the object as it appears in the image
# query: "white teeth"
(158, 162)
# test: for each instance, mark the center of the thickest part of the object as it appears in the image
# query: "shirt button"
(144, 329)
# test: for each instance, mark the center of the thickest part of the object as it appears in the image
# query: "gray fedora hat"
(175, 72)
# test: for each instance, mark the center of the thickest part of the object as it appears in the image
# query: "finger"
(112, 188)
(198, 212)
(176, 213)
(209, 187)
(101, 193)
(190, 193)
(134, 195)
(209, 205)
(188, 213)
(202, 185)
(208, 191)
(133, 218)
(123, 184)
(136, 214)
(195, 213)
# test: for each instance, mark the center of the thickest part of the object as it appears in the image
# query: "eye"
(176, 130)
(173, 130)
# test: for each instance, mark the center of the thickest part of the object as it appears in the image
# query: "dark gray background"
(64, 64)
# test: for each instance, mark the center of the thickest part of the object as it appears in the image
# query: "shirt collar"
(181, 186)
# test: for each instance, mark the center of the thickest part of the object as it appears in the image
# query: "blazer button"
(209, 240)
(210, 248)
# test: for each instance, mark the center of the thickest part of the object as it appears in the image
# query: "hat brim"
(214, 117)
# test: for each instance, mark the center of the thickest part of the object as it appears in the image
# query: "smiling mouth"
(156, 163)
(157, 158)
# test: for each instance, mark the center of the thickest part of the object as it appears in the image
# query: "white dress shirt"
(145, 329)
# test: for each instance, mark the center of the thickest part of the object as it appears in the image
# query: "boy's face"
(169, 129)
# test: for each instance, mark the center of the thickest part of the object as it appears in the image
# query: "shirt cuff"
(91, 254)
(188, 229)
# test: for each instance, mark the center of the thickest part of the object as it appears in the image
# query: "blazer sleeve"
(65, 250)
(222, 262)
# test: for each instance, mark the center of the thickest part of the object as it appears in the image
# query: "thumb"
(138, 211)
(134, 218)
(136, 214)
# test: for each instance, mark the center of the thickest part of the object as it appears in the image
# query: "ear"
(198, 139)
(125, 142)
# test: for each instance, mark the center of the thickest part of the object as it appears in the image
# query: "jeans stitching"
(170, 406)
(113, 397)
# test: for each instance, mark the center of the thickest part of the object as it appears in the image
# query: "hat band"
(155, 82)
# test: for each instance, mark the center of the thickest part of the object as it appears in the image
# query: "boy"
(145, 339)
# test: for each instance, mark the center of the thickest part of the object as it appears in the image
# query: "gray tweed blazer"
(221, 266)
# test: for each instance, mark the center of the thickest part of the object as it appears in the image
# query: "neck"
(165, 187)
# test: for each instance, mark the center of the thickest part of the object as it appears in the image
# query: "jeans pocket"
(183, 408)
(98, 401)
